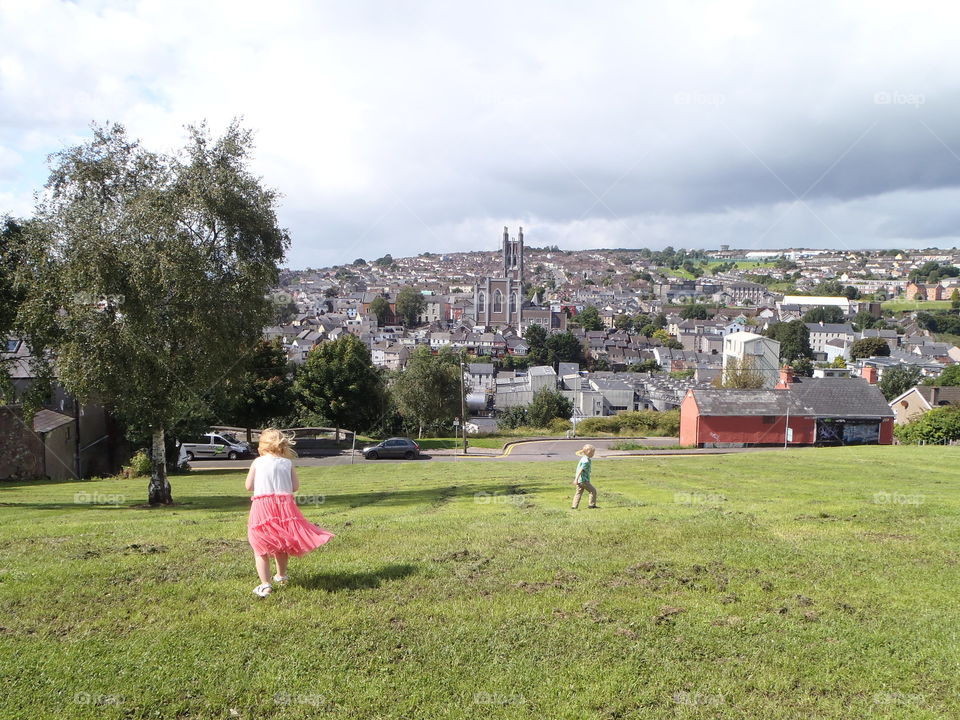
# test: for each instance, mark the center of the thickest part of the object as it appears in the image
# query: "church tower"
(513, 256)
(498, 302)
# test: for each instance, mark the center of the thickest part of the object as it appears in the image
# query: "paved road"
(525, 451)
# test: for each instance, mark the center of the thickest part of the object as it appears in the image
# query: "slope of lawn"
(799, 584)
(905, 305)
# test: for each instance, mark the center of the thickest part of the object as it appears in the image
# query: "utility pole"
(786, 429)
(463, 408)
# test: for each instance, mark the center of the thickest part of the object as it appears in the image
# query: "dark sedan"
(393, 448)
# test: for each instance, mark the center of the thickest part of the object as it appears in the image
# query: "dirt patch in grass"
(222, 546)
(144, 549)
(657, 575)
(561, 581)
(667, 614)
(825, 517)
(470, 565)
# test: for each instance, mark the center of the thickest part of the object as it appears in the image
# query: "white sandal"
(263, 590)
(280, 579)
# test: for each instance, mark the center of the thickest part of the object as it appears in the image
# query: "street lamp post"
(463, 410)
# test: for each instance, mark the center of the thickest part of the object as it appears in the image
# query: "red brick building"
(926, 291)
(799, 411)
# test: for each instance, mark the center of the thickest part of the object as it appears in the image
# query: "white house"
(761, 352)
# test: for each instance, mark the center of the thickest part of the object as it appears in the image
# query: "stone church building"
(499, 301)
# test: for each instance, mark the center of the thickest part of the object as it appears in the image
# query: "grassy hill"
(801, 584)
(908, 305)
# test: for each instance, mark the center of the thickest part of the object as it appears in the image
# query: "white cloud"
(399, 127)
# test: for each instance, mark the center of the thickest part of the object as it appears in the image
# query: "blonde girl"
(276, 528)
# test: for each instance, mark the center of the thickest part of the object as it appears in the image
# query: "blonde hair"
(587, 450)
(276, 442)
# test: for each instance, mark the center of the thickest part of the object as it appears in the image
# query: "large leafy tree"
(427, 391)
(694, 311)
(864, 320)
(339, 386)
(899, 379)
(152, 272)
(260, 392)
(563, 347)
(11, 233)
(548, 405)
(536, 337)
(410, 305)
(825, 314)
(869, 347)
(589, 319)
(380, 307)
(794, 339)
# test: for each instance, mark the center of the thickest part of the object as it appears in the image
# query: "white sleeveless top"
(272, 476)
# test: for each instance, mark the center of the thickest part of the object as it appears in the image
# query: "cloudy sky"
(404, 127)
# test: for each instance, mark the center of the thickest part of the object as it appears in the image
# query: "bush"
(559, 425)
(139, 465)
(940, 425)
(642, 422)
(512, 418)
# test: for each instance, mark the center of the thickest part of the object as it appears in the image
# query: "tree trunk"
(249, 436)
(158, 491)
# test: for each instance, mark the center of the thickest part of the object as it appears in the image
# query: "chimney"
(869, 373)
(786, 378)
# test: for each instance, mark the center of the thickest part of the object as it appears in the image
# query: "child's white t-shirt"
(272, 476)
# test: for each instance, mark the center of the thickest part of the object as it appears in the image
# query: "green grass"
(905, 305)
(799, 584)
(451, 443)
(948, 338)
(741, 265)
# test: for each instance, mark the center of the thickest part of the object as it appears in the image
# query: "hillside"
(810, 583)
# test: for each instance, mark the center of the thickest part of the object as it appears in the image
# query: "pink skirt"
(276, 525)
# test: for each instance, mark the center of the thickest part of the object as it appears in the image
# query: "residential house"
(821, 333)
(67, 439)
(480, 377)
(920, 399)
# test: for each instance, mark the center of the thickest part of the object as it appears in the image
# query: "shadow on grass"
(339, 581)
(325, 503)
(340, 502)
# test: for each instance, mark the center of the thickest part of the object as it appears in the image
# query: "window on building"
(769, 419)
(514, 302)
(498, 302)
(482, 302)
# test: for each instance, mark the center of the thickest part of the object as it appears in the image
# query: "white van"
(213, 445)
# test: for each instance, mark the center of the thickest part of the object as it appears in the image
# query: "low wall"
(21, 451)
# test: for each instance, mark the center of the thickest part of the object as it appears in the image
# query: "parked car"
(214, 445)
(393, 448)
